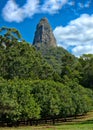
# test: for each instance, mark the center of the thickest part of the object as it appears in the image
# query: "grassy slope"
(81, 123)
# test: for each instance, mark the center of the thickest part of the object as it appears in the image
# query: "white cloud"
(12, 12)
(53, 6)
(79, 50)
(31, 7)
(77, 35)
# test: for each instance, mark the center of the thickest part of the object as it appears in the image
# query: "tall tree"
(9, 36)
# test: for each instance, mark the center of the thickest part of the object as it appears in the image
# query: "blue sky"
(71, 21)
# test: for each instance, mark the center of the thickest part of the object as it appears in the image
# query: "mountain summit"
(44, 34)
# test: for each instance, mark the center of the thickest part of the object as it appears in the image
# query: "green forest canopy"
(45, 83)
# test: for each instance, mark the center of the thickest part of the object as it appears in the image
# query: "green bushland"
(41, 99)
(35, 85)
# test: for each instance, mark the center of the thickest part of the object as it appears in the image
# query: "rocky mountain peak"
(44, 19)
(44, 35)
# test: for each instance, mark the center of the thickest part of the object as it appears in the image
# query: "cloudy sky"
(71, 21)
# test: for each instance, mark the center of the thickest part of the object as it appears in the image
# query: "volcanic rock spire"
(44, 34)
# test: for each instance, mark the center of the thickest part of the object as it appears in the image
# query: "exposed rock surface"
(44, 35)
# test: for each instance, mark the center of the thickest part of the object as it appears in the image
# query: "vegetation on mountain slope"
(46, 84)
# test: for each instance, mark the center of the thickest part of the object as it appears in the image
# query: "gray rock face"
(44, 35)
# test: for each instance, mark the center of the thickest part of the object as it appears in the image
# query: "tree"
(47, 97)
(9, 36)
(23, 61)
(16, 102)
(87, 70)
(8, 103)
(66, 104)
(71, 68)
(81, 100)
(28, 108)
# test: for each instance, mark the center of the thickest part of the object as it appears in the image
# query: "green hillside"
(47, 84)
(53, 56)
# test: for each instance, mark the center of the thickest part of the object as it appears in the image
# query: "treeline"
(26, 100)
(69, 67)
(46, 84)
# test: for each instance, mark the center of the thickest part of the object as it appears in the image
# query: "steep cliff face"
(44, 35)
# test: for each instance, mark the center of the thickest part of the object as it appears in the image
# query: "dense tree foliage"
(9, 36)
(33, 99)
(16, 101)
(87, 70)
(46, 84)
(53, 56)
(23, 61)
